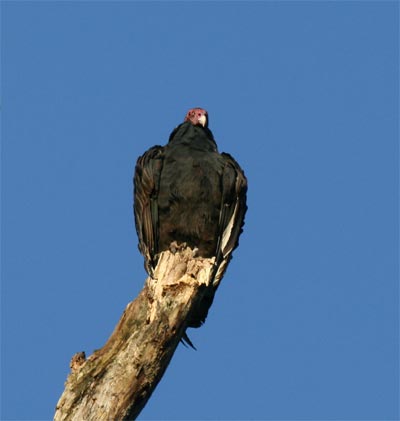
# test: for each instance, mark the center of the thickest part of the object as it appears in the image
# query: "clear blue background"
(305, 96)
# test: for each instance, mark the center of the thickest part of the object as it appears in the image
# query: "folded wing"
(146, 186)
(233, 210)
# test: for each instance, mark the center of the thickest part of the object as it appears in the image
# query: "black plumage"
(187, 192)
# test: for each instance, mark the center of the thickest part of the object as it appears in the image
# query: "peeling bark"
(116, 381)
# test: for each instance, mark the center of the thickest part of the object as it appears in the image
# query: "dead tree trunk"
(116, 381)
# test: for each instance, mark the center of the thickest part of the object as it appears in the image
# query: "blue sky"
(305, 95)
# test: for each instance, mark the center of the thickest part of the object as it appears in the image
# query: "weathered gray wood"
(116, 381)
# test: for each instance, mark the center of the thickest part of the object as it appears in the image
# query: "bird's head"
(198, 117)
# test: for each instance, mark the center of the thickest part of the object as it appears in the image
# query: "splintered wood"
(116, 381)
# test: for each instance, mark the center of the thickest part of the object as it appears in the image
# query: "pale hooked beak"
(203, 120)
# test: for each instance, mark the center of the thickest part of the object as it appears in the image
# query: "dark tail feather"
(186, 341)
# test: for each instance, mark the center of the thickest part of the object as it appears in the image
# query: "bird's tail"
(187, 342)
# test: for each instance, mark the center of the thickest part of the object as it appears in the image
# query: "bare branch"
(116, 381)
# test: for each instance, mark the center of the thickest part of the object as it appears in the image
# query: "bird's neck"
(193, 136)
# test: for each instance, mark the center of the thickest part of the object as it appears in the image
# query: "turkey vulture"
(187, 192)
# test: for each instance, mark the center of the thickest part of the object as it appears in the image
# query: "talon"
(173, 247)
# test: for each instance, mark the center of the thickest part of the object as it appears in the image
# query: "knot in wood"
(77, 361)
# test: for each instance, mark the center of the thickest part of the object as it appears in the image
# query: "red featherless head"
(197, 116)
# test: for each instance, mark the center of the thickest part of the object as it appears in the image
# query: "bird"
(186, 192)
